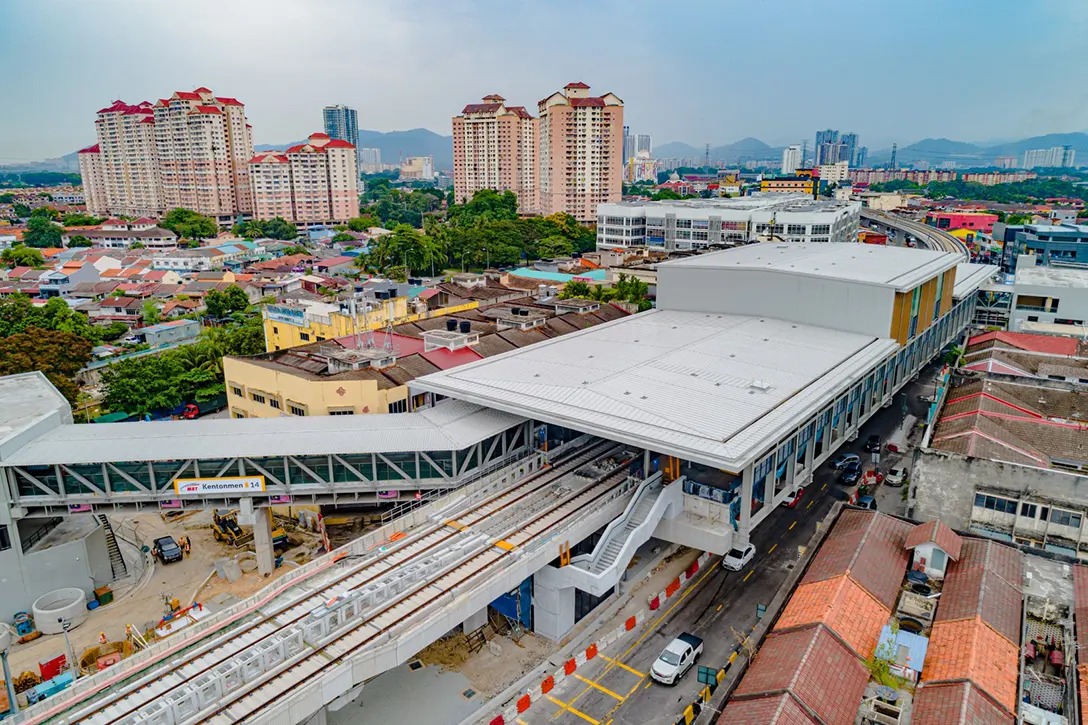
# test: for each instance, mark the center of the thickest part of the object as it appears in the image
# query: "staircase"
(117, 562)
(620, 536)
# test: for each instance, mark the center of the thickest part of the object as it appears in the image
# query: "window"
(275, 403)
(257, 397)
(236, 390)
(1028, 510)
(237, 414)
(1033, 318)
(399, 406)
(343, 411)
(5, 538)
(295, 409)
(275, 330)
(795, 229)
(304, 336)
(1064, 518)
(821, 228)
(995, 503)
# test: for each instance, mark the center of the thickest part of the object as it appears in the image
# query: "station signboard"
(219, 486)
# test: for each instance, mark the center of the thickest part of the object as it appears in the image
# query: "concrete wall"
(866, 309)
(1072, 304)
(83, 563)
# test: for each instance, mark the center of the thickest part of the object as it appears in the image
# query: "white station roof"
(969, 277)
(715, 388)
(901, 268)
(453, 425)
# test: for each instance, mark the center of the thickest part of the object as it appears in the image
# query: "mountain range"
(422, 142)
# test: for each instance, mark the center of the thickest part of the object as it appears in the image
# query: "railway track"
(351, 574)
(932, 238)
(258, 696)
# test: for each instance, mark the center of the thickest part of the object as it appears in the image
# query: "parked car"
(850, 474)
(867, 502)
(844, 460)
(873, 443)
(676, 659)
(895, 477)
(796, 499)
(166, 550)
(737, 558)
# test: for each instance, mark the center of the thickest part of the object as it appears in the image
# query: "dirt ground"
(142, 603)
(488, 673)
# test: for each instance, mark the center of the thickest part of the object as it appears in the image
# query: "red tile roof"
(519, 111)
(587, 102)
(814, 667)
(968, 649)
(303, 147)
(1004, 561)
(269, 156)
(91, 150)
(228, 101)
(494, 97)
(869, 547)
(187, 95)
(319, 135)
(339, 144)
(206, 109)
(148, 119)
(956, 703)
(981, 593)
(938, 533)
(202, 89)
(576, 84)
(481, 108)
(1026, 341)
(841, 604)
(780, 710)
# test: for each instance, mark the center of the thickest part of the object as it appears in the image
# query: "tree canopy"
(41, 233)
(79, 241)
(485, 205)
(278, 228)
(363, 223)
(187, 224)
(81, 220)
(22, 256)
(222, 303)
(60, 355)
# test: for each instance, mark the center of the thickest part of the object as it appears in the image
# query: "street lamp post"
(66, 625)
(488, 252)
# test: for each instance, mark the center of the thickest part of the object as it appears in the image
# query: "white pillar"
(262, 540)
(475, 621)
(744, 525)
(646, 463)
(553, 605)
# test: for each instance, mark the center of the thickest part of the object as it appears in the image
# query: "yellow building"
(788, 184)
(290, 325)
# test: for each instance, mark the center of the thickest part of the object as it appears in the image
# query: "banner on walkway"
(218, 486)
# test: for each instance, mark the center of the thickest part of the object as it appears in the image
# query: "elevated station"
(689, 424)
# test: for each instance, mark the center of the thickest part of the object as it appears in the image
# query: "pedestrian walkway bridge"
(54, 467)
(318, 633)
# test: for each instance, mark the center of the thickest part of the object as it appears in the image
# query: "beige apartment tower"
(580, 159)
(94, 180)
(311, 183)
(495, 147)
(127, 161)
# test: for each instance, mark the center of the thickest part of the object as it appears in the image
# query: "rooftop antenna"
(363, 341)
(892, 162)
(389, 328)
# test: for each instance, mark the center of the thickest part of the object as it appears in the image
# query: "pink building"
(495, 147)
(312, 183)
(950, 220)
(204, 146)
(94, 180)
(580, 162)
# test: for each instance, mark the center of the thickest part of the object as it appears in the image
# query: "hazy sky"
(696, 71)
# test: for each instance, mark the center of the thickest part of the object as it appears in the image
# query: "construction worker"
(186, 546)
(102, 639)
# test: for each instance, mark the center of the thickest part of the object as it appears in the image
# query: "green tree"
(46, 212)
(363, 223)
(554, 246)
(281, 229)
(222, 303)
(21, 210)
(297, 249)
(575, 289)
(187, 224)
(665, 195)
(79, 241)
(136, 245)
(22, 256)
(1014, 219)
(113, 331)
(41, 233)
(81, 220)
(7, 198)
(343, 237)
(405, 247)
(142, 385)
(152, 315)
(60, 355)
(485, 205)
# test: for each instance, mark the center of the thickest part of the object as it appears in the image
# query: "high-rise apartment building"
(643, 142)
(342, 123)
(204, 146)
(861, 157)
(311, 183)
(94, 180)
(495, 146)
(848, 148)
(1055, 157)
(128, 159)
(190, 150)
(791, 159)
(628, 144)
(370, 160)
(827, 142)
(580, 139)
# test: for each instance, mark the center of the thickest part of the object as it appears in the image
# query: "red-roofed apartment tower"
(495, 147)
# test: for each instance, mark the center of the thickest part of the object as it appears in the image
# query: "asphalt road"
(720, 607)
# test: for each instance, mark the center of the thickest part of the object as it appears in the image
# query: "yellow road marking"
(809, 505)
(573, 711)
(637, 642)
(823, 487)
(632, 670)
(719, 608)
(632, 690)
(748, 574)
(521, 722)
(772, 548)
(648, 685)
(792, 525)
(600, 687)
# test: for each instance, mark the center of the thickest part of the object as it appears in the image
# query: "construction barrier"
(658, 599)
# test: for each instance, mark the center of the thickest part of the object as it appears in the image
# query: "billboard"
(218, 486)
(283, 313)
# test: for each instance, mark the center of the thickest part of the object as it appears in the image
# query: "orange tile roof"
(844, 606)
(938, 533)
(969, 649)
(1082, 689)
(956, 703)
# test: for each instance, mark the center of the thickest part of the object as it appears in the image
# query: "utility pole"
(892, 162)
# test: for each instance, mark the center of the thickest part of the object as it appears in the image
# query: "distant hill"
(676, 150)
(746, 148)
(69, 163)
(936, 150)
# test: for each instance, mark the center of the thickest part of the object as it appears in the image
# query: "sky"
(712, 71)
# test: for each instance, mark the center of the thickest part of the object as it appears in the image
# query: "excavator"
(225, 528)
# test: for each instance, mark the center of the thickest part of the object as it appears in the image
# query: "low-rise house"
(125, 309)
(155, 238)
(335, 265)
(167, 333)
(59, 282)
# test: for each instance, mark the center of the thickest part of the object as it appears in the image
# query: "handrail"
(40, 533)
(589, 560)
